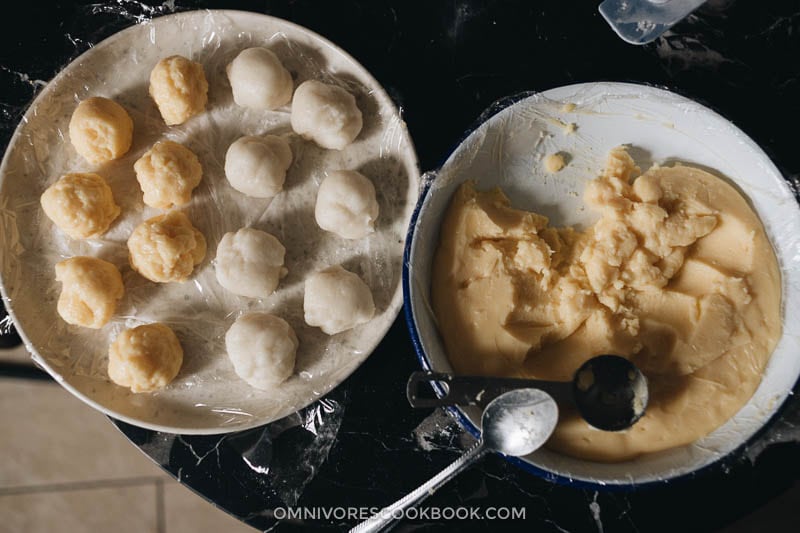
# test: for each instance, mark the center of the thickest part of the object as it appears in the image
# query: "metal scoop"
(609, 392)
(515, 423)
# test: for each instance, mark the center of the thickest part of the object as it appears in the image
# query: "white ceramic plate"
(506, 151)
(207, 396)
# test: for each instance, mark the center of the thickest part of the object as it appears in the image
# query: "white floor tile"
(118, 510)
(49, 436)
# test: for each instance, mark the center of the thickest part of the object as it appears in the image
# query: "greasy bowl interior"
(207, 396)
(660, 126)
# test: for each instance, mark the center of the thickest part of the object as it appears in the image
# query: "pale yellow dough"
(100, 130)
(553, 163)
(179, 88)
(90, 290)
(677, 274)
(145, 358)
(81, 205)
(166, 248)
(167, 174)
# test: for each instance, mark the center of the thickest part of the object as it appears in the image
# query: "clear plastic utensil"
(643, 21)
(515, 423)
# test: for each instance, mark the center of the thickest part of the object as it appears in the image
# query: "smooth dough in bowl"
(677, 275)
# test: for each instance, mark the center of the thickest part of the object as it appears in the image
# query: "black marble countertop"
(444, 62)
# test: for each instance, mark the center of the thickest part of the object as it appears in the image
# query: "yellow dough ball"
(90, 290)
(145, 358)
(179, 88)
(167, 174)
(80, 204)
(100, 130)
(166, 248)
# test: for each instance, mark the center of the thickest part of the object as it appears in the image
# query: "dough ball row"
(323, 113)
(166, 248)
(101, 130)
(263, 347)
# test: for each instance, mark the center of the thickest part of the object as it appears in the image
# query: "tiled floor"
(66, 468)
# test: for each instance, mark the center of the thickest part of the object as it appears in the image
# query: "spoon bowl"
(518, 422)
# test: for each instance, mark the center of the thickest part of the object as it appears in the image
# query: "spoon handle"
(388, 514)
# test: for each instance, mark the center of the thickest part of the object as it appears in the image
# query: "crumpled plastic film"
(285, 455)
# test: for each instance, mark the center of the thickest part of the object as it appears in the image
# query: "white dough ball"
(89, 292)
(326, 114)
(346, 204)
(262, 348)
(336, 300)
(100, 130)
(259, 80)
(256, 166)
(250, 263)
(145, 358)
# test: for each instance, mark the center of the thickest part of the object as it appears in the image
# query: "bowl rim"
(429, 177)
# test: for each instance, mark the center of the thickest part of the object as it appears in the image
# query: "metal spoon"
(609, 392)
(515, 423)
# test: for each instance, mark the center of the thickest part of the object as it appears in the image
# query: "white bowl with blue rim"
(506, 149)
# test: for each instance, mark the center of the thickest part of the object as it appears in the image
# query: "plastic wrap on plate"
(207, 396)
